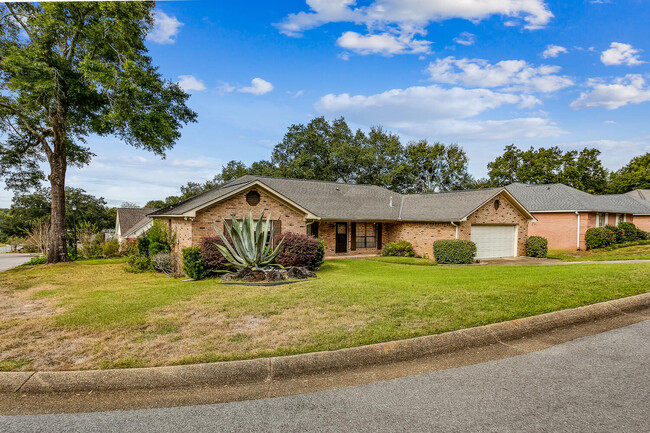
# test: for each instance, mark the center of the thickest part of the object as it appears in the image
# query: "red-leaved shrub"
(299, 250)
(211, 256)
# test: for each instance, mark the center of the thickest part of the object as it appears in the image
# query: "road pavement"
(8, 261)
(599, 383)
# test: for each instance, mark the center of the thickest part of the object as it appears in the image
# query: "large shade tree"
(70, 70)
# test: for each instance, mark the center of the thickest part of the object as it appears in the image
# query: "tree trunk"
(57, 249)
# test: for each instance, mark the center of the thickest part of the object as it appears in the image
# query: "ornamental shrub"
(192, 264)
(617, 232)
(164, 262)
(454, 251)
(138, 263)
(111, 248)
(211, 256)
(36, 261)
(300, 250)
(630, 232)
(537, 246)
(597, 237)
(398, 249)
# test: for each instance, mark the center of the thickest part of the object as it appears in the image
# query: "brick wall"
(421, 235)
(327, 232)
(292, 220)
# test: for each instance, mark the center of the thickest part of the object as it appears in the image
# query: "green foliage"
(158, 239)
(536, 246)
(630, 232)
(36, 261)
(617, 232)
(635, 175)
(581, 170)
(249, 244)
(192, 264)
(398, 249)
(138, 263)
(90, 240)
(597, 237)
(436, 167)
(111, 248)
(454, 251)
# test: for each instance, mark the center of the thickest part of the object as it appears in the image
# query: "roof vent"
(391, 201)
(253, 198)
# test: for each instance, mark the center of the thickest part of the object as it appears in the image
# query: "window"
(366, 235)
(618, 218)
(253, 198)
(600, 220)
(312, 229)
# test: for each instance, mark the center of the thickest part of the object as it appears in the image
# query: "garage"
(494, 240)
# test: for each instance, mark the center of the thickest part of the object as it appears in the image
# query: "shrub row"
(454, 251)
(296, 250)
(398, 249)
(609, 235)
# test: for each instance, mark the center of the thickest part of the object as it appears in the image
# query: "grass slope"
(635, 252)
(94, 315)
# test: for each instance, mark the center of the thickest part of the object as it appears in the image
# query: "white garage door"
(494, 241)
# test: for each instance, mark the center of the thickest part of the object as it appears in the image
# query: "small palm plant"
(251, 244)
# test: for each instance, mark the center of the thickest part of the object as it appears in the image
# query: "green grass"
(95, 315)
(635, 252)
(404, 261)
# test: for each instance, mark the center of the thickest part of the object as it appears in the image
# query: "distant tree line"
(322, 150)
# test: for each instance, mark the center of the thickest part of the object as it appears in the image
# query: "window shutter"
(379, 235)
(353, 235)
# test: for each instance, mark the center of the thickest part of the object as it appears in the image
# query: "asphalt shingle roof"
(559, 197)
(643, 194)
(333, 200)
(132, 218)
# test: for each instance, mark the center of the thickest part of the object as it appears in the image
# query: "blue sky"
(480, 74)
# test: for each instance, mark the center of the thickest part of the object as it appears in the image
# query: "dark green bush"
(630, 232)
(618, 233)
(192, 264)
(596, 237)
(398, 249)
(454, 251)
(536, 246)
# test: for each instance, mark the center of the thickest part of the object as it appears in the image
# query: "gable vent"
(253, 198)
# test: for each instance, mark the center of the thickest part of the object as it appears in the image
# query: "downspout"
(455, 225)
(578, 234)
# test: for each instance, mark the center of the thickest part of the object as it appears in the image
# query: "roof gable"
(132, 218)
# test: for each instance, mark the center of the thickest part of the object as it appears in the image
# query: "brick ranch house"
(357, 219)
(563, 214)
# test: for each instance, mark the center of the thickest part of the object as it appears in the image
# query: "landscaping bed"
(634, 252)
(92, 314)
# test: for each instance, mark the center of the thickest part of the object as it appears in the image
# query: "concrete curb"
(265, 370)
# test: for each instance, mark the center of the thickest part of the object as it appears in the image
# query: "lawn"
(92, 314)
(404, 261)
(635, 252)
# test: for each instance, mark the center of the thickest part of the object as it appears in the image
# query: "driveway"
(599, 383)
(8, 261)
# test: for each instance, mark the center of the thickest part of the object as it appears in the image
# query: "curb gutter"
(266, 370)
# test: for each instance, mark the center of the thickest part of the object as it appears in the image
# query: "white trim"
(578, 233)
(509, 197)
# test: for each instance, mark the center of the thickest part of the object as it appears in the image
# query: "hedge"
(454, 251)
(536, 246)
(398, 249)
(210, 254)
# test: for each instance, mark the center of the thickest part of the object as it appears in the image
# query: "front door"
(341, 238)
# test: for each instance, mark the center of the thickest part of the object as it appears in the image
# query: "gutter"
(578, 232)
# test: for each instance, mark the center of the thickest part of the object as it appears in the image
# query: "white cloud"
(619, 54)
(190, 82)
(513, 75)
(423, 111)
(553, 51)
(383, 43)
(465, 38)
(631, 89)
(165, 28)
(258, 87)
(409, 15)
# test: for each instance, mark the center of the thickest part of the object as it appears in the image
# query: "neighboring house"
(131, 223)
(563, 214)
(357, 219)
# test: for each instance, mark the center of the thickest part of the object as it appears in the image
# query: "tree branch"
(18, 20)
(26, 125)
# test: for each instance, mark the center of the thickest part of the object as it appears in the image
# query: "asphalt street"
(599, 383)
(8, 261)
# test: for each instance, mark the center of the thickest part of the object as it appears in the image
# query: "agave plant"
(251, 244)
